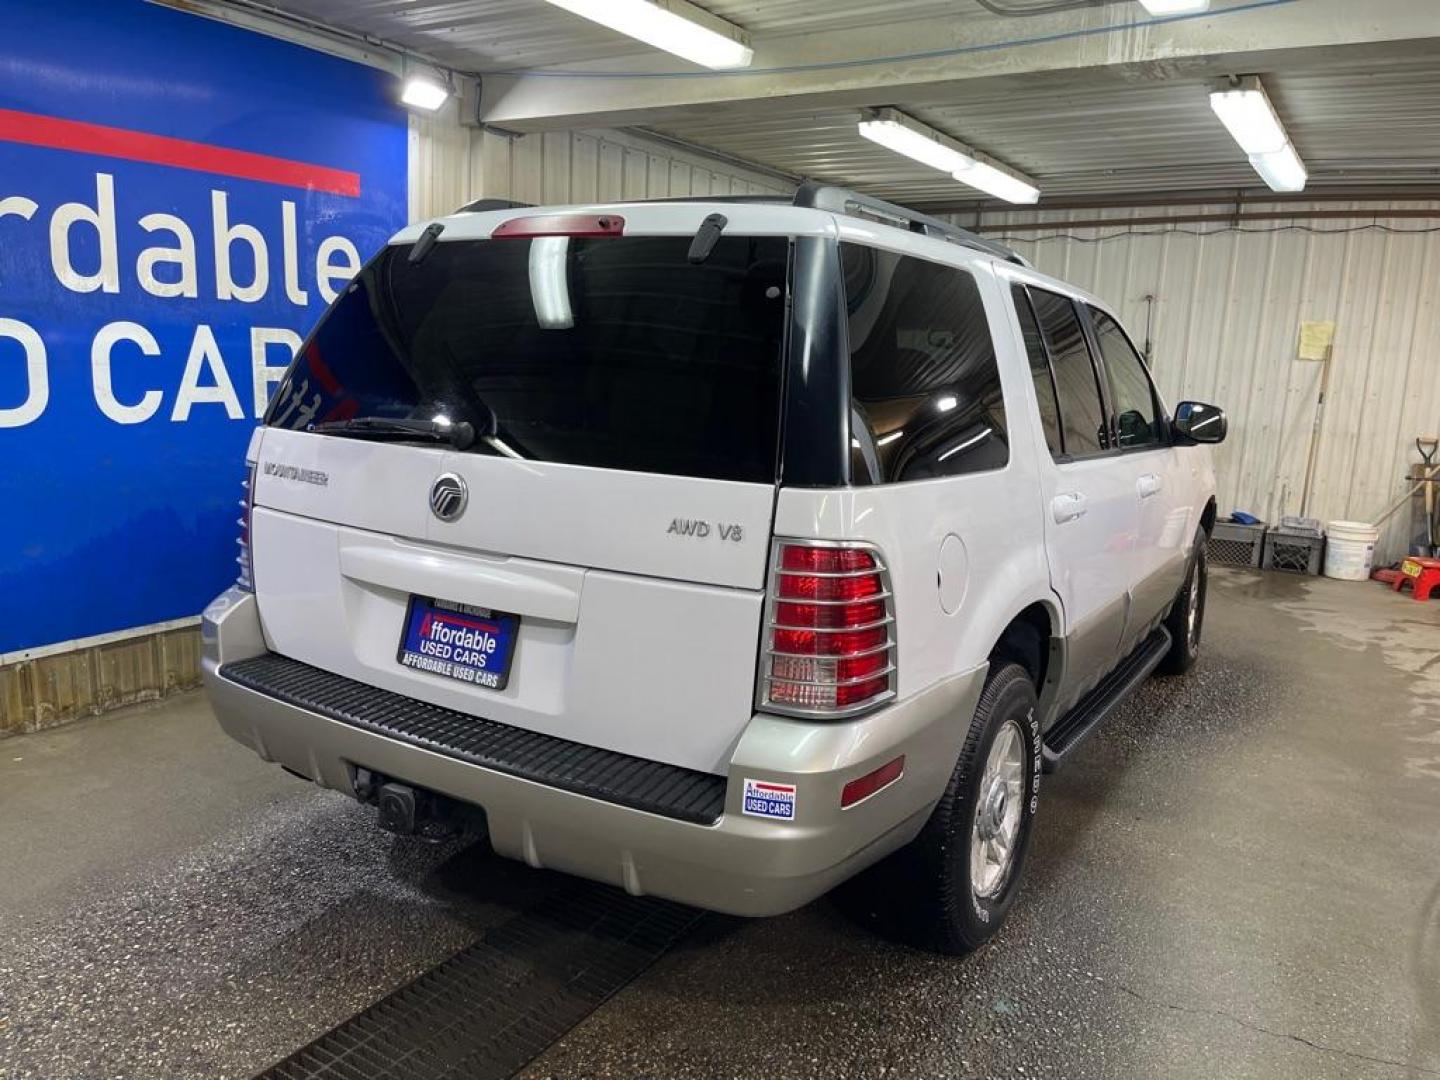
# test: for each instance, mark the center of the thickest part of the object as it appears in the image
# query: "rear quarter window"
(924, 378)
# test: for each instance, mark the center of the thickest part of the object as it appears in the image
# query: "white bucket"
(1349, 549)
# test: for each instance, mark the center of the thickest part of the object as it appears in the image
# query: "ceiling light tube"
(997, 182)
(896, 131)
(1174, 7)
(905, 135)
(1281, 169)
(1248, 115)
(672, 25)
(424, 92)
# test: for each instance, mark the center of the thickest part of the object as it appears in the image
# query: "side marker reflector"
(871, 782)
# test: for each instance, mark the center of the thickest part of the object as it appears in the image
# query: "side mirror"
(1196, 422)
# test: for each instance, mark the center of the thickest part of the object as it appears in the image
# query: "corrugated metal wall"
(452, 164)
(1225, 324)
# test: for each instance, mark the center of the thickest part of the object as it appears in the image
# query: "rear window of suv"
(614, 352)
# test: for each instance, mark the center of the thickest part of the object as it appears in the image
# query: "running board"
(1071, 729)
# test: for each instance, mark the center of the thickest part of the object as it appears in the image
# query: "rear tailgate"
(638, 593)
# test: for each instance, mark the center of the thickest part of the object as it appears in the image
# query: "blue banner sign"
(179, 200)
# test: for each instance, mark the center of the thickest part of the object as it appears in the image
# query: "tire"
(946, 909)
(1184, 630)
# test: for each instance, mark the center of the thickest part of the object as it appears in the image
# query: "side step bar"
(1071, 729)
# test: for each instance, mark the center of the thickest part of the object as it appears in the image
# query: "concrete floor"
(1239, 876)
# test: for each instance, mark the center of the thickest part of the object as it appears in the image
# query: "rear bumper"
(740, 864)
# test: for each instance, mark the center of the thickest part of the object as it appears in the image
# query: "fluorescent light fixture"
(1250, 118)
(673, 25)
(1281, 169)
(549, 287)
(1174, 7)
(891, 132)
(895, 131)
(993, 181)
(1247, 114)
(423, 92)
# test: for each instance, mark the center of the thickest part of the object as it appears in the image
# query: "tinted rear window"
(923, 374)
(610, 352)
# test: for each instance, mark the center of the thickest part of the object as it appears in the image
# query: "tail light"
(828, 649)
(245, 579)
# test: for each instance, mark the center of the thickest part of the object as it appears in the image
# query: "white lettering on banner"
(37, 375)
(328, 273)
(19, 206)
(183, 256)
(100, 358)
(205, 353)
(168, 268)
(101, 218)
(289, 244)
(227, 235)
(265, 374)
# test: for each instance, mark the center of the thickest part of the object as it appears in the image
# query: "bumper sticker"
(766, 799)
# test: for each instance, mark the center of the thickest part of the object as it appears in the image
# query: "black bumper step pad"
(495, 1006)
(652, 786)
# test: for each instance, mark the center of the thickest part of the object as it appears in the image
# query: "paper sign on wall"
(1316, 339)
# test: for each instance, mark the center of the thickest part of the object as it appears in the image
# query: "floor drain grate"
(498, 1004)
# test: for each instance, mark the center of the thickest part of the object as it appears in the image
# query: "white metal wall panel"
(452, 164)
(1225, 328)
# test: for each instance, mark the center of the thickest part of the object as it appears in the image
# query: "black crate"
(1232, 544)
(1295, 551)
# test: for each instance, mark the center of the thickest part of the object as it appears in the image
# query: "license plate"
(1410, 569)
(459, 641)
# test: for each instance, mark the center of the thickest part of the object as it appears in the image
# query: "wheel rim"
(998, 812)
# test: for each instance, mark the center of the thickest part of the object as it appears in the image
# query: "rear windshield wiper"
(459, 435)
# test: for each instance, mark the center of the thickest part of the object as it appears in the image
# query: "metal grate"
(652, 786)
(1232, 552)
(495, 1006)
(1296, 555)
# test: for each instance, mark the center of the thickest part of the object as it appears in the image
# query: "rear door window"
(1082, 412)
(1137, 413)
(924, 380)
(1040, 373)
(615, 352)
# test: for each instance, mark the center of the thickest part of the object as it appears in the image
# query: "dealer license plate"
(459, 641)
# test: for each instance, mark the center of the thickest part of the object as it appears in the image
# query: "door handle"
(1148, 484)
(1067, 507)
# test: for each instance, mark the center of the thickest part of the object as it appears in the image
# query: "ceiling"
(492, 35)
(1362, 116)
(1095, 134)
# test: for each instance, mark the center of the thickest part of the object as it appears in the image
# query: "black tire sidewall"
(1184, 649)
(1009, 694)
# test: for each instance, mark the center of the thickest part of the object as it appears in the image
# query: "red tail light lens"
(245, 577)
(829, 645)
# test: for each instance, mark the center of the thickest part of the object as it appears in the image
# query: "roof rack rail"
(839, 200)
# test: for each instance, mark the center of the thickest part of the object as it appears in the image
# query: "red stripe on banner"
(57, 134)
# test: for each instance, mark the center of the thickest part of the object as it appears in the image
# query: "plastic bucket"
(1349, 549)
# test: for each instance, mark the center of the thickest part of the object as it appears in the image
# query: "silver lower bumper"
(742, 864)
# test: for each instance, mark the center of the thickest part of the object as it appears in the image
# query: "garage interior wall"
(452, 164)
(1227, 310)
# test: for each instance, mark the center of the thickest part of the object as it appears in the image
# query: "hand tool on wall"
(1426, 445)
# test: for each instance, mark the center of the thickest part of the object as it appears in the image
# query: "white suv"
(715, 549)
